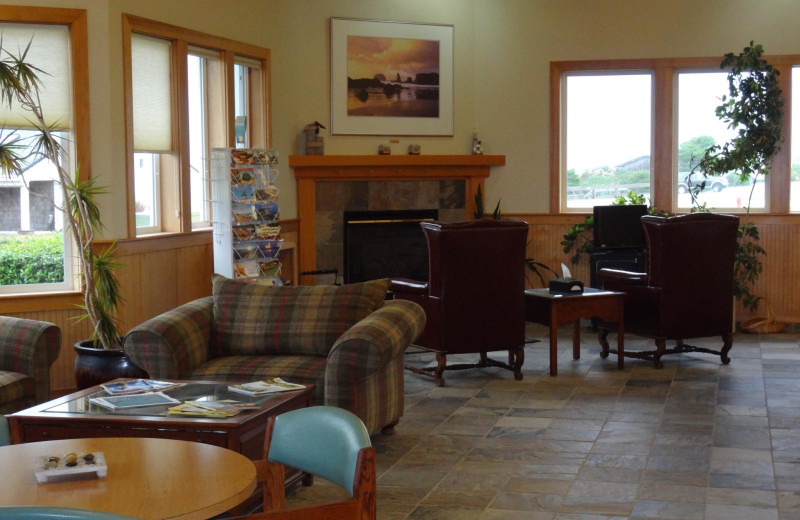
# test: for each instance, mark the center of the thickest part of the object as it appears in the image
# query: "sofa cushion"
(252, 319)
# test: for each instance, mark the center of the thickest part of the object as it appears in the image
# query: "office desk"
(147, 478)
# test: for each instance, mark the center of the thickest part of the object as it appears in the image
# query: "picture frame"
(391, 78)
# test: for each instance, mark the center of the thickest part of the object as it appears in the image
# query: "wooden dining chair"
(325, 441)
(56, 513)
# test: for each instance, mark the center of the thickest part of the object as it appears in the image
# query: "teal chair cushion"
(321, 440)
(56, 513)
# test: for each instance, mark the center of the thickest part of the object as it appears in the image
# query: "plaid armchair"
(346, 340)
(27, 350)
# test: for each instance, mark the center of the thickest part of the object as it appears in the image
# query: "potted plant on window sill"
(20, 86)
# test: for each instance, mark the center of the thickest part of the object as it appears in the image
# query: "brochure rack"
(244, 203)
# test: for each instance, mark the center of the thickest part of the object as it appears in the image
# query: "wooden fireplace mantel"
(310, 169)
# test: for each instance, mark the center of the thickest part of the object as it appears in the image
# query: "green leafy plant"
(479, 212)
(20, 84)
(32, 259)
(754, 109)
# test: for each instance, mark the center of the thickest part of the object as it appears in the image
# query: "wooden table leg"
(576, 340)
(553, 344)
(620, 339)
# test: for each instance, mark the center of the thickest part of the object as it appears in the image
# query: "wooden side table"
(556, 309)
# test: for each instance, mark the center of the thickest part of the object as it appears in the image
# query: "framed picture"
(391, 78)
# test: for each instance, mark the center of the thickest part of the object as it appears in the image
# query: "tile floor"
(696, 440)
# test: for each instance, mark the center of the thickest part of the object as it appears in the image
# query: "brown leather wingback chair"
(474, 297)
(687, 291)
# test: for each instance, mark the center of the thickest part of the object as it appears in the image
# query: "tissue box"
(566, 285)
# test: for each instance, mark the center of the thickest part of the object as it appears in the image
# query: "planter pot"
(94, 366)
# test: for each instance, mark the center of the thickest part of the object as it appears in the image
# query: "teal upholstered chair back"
(56, 513)
(321, 440)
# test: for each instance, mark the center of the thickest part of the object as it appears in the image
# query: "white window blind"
(151, 78)
(49, 51)
(250, 63)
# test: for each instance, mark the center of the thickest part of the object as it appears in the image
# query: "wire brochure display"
(247, 238)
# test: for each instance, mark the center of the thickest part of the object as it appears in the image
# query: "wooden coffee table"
(555, 309)
(74, 417)
(150, 479)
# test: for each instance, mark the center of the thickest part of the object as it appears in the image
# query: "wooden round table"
(146, 478)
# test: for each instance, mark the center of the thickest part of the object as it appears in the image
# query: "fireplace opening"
(386, 244)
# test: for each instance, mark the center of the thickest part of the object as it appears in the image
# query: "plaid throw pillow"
(252, 319)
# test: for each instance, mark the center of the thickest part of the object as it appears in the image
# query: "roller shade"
(250, 63)
(49, 51)
(151, 78)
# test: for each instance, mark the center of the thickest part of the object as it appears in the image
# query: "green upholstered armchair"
(347, 340)
(27, 350)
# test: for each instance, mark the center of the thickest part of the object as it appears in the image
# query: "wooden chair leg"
(661, 345)
(727, 344)
(602, 337)
(441, 360)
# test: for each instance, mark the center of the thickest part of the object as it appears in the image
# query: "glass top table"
(192, 391)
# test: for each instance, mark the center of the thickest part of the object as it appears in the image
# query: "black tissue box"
(566, 285)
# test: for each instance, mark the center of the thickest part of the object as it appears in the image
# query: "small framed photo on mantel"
(391, 78)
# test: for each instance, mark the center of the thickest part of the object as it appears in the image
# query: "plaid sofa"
(347, 340)
(28, 348)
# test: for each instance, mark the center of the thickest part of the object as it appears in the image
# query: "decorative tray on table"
(70, 466)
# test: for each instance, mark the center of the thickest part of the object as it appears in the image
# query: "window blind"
(49, 51)
(151, 78)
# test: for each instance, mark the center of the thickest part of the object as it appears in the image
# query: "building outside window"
(34, 248)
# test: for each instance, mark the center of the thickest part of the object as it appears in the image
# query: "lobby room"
(696, 439)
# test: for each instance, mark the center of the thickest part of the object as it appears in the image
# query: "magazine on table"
(223, 408)
(267, 386)
(138, 386)
(115, 402)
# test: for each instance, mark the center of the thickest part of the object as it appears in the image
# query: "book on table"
(222, 408)
(267, 386)
(138, 386)
(133, 401)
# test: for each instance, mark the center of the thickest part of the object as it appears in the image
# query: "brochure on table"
(244, 202)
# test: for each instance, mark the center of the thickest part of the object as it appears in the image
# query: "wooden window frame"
(175, 187)
(77, 22)
(664, 71)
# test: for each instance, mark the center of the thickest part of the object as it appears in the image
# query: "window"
(699, 94)
(35, 247)
(641, 125)
(795, 142)
(189, 77)
(607, 137)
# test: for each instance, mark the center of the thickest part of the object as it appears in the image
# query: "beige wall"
(502, 54)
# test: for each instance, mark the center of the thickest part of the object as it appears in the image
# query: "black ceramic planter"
(94, 366)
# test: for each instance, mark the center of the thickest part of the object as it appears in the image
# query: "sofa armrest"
(173, 344)
(30, 347)
(372, 343)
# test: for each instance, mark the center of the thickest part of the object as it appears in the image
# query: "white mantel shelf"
(310, 169)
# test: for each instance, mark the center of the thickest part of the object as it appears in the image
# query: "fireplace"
(385, 244)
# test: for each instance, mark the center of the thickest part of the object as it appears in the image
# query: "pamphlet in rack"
(268, 386)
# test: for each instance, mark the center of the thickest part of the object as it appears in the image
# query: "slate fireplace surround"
(329, 185)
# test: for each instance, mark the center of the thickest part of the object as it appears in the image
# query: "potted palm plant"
(20, 85)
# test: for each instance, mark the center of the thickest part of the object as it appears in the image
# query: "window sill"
(37, 302)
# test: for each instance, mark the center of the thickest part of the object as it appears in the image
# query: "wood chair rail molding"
(310, 169)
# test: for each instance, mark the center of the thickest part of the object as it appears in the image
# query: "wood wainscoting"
(779, 283)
